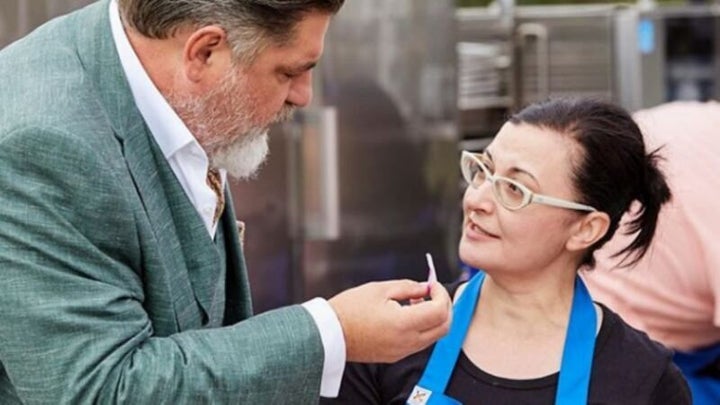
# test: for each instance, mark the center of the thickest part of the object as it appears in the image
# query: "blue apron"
(574, 380)
(704, 386)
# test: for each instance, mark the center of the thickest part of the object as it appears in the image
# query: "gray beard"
(243, 157)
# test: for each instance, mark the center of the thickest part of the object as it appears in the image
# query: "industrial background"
(364, 182)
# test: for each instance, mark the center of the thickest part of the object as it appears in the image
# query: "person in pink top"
(673, 292)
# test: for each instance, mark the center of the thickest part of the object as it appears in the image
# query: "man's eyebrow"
(304, 67)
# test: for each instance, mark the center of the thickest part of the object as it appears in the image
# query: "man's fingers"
(401, 290)
(377, 328)
(430, 336)
(420, 340)
(439, 293)
(427, 315)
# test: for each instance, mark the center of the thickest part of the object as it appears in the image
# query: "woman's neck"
(519, 303)
(519, 325)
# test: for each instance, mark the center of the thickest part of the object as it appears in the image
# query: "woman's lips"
(475, 231)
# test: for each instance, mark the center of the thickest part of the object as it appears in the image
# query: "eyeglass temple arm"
(543, 199)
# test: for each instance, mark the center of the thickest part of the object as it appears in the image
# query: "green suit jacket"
(111, 290)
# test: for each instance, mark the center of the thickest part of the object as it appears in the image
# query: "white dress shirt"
(190, 163)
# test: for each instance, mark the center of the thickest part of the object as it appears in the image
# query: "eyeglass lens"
(507, 192)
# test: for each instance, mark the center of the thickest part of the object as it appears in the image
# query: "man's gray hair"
(251, 25)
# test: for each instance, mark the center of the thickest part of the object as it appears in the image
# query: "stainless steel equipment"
(537, 51)
(679, 53)
(638, 56)
(364, 182)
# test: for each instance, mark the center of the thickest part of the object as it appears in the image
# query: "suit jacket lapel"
(198, 249)
(104, 68)
(145, 171)
(239, 305)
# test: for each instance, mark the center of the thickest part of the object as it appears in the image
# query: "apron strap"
(578, 351)
(447, 350)
(575, 368)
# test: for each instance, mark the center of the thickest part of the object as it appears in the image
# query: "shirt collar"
(165, 125)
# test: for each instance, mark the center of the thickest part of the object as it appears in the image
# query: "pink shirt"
(674, 292)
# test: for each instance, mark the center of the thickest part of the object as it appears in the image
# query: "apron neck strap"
(575, 369)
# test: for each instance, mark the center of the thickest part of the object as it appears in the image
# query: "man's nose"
(300, 93)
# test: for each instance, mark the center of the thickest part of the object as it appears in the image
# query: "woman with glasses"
(546, 193)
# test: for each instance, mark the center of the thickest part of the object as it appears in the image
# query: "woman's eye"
(513, 188)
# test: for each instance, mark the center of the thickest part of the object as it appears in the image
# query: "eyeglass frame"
(529, 196)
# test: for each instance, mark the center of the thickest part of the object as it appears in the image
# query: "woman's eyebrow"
(518, 170)
(514, 169)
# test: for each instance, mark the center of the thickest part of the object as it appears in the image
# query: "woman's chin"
(471, 255)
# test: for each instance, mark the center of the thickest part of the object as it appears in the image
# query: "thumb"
(405, 290)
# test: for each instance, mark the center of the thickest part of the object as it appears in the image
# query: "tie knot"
(215, 182)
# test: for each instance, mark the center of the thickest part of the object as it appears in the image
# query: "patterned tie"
(215, 183)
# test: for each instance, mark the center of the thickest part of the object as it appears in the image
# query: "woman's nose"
(480, 197)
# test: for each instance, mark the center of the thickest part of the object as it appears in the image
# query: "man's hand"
(378, 329)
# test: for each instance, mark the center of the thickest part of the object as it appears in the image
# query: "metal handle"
(540, 33)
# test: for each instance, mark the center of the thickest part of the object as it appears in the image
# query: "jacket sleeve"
(72, 306)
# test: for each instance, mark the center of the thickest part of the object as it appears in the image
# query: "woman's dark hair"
(614, 169)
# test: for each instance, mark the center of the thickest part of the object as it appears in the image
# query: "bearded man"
(121, 276)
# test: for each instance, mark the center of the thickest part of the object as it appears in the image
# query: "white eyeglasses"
(511, 194)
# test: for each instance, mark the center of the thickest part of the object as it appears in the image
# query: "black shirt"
(628, 368)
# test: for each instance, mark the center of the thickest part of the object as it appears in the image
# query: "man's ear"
(205, 52)
(588, 230)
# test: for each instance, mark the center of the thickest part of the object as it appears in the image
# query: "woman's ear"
(588, 230)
